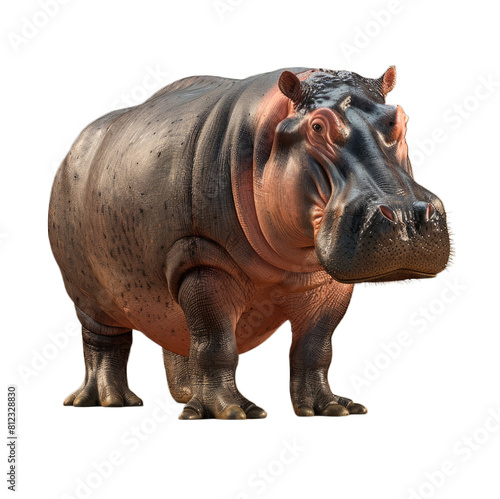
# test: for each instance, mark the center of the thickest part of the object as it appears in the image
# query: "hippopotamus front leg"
(212, 302)
(314, 316)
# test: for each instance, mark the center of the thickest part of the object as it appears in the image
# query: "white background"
(64, 70)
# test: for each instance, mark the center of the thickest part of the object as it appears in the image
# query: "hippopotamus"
(219, 209)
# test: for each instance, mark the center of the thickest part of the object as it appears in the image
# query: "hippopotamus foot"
(212, 302)
(324, 403)
(221, 404)
(311, 396)
(105, 381)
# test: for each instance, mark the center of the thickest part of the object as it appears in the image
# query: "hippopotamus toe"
(355, 408)
(334, 409)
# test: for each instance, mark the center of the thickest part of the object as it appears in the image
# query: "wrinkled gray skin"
(217, 210)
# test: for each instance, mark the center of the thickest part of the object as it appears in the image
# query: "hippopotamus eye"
(317, 127)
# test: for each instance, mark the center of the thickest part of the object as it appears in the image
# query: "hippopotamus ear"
(388, 80)
(290, 86)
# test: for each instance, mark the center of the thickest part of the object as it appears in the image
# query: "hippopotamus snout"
(389, 238)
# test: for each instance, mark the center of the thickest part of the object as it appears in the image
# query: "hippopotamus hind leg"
(105, 382)
(176, 367)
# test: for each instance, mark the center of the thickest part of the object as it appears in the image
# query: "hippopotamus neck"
(269, 110)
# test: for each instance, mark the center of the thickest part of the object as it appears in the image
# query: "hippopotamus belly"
(164, 322)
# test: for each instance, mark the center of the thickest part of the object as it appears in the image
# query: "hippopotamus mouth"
(394, 275)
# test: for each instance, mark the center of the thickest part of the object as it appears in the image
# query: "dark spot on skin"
(159, 154)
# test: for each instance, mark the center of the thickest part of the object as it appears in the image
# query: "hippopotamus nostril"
(387, 212)
(424, 211)
(430, 212)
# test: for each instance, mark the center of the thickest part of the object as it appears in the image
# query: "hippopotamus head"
(338, 181)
